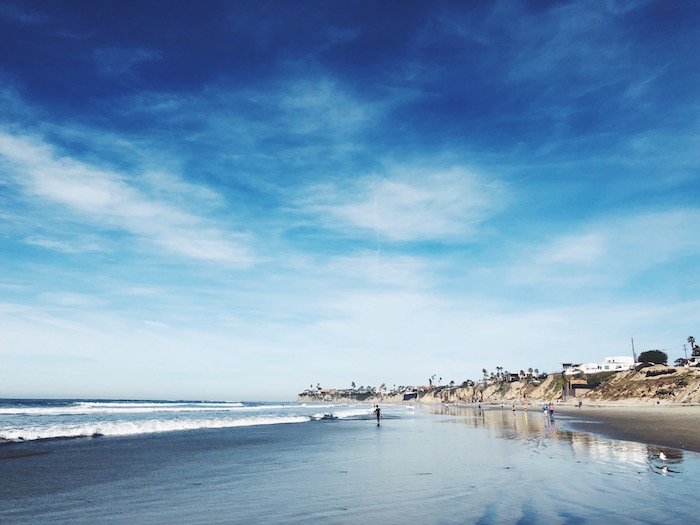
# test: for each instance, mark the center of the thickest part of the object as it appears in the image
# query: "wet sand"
(435, 465)
(664, 425)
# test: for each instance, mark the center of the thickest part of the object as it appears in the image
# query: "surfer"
(378, 413)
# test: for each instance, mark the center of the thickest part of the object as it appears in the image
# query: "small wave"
(157, 404)
(84, 408)
(344, 414)
(350, 414)
(129, 428)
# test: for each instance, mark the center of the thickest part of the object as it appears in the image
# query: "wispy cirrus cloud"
(610, 252)
(443, 205)
(109, 199)
(321, 105)
(21, 14)
(119, 61)
(62, 245)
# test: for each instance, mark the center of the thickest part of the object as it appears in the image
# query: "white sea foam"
(345, 413)
(126, 428)
(350, 413)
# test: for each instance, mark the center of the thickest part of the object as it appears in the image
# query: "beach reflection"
(535, 428)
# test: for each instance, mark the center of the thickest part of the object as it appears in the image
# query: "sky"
(237, 200)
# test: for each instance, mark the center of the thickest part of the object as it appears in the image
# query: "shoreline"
(663, 425)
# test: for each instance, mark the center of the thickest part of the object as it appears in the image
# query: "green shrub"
(657, 357)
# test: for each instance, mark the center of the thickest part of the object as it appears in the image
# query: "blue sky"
(235, 200)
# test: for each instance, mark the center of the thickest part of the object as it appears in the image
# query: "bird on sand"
(662, 456)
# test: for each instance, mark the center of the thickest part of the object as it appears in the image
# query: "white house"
(611, 364)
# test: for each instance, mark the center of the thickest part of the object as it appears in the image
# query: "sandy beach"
(664, 425)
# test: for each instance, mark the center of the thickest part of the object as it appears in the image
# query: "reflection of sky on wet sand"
(535, 428)
(525, 467)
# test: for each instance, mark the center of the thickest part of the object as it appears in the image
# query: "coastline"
(664, 425)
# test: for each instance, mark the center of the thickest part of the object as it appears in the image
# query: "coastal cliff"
(657, 384)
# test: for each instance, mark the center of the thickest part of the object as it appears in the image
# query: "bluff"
(662, 384)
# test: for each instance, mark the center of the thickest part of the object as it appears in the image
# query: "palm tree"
(353, 385)
(695, 350)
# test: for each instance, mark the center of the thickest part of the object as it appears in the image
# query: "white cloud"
(320, 105)
(426, 205)
(63, 245)
(375, 269)
(609, 251)
(108, 199)
(21, 14)
(120, 61)
(586, 248)
(170, 186)
(73, 300)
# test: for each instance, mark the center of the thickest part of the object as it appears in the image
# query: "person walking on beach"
(378, 413)
(551, 410)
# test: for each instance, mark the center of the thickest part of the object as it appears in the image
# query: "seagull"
(662, 456)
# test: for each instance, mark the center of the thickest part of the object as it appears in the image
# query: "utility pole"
(634, 354)
(685, 351)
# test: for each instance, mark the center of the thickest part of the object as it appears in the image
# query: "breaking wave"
(130, 428)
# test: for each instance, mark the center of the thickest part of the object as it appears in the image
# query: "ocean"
(154, 462)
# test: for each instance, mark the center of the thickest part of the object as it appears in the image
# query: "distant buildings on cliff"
(611, 364)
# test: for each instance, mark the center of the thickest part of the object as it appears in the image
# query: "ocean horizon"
(152, 462)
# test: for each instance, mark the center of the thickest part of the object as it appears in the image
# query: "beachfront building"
(611, 364)
(574, 388)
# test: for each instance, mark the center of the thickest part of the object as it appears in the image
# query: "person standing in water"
(378, 413)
